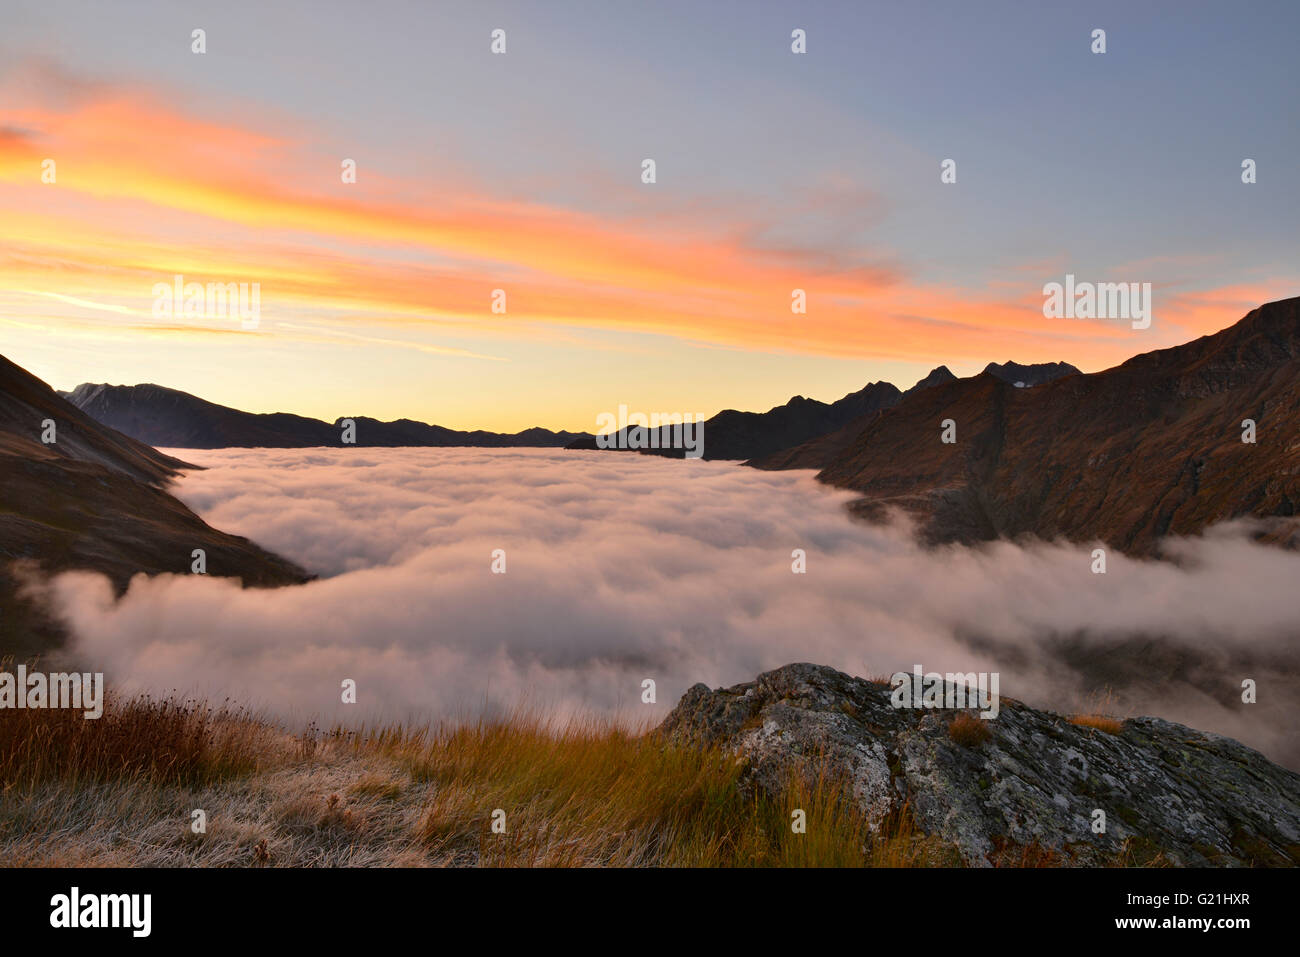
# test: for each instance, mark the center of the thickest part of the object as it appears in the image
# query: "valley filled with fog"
(621, 567)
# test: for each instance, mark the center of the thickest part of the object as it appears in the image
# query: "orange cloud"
(145, 191)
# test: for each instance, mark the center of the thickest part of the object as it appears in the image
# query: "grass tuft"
(1101, 722)
(968, 730)
(162, 742)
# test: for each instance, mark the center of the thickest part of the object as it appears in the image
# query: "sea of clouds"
(622, 567)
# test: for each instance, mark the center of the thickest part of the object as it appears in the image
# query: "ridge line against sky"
(522, 172)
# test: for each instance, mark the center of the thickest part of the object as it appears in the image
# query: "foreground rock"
(1169, 793)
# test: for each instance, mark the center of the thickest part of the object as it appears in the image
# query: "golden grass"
(595, 793)
(1099, 713)
(164, 742)
(378, 785)
(1101, 722)
(121, 791)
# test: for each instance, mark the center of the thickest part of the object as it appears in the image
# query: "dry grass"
(595, 793)
(122, 791)
(163, 742)
(1031, 855)
(1101, 722)
(378, 785)
(1099, 713)
(968, 730)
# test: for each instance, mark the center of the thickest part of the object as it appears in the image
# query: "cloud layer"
(623, 567)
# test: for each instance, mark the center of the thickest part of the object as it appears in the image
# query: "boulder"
(1169, 793)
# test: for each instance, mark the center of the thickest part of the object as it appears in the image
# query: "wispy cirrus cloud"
(147, 189)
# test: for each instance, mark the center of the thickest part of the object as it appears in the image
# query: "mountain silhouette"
(169, 418)
(1024, 377)
(748, 435)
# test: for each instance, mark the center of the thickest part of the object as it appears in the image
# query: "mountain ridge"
(739, 436)
(1148, 448)
(1027, 376)
(170, 418)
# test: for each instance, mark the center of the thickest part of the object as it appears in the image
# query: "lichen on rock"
(1168, 792)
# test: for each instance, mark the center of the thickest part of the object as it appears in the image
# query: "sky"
(522, 172)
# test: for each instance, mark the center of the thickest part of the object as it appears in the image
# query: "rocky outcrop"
(1168, 792)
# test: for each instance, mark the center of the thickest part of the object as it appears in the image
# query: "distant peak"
(937, 376)
(89, 393)
(1032, 374)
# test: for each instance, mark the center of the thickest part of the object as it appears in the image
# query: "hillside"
(1152, 447)
(94, 499)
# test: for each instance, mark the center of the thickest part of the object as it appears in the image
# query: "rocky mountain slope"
(94, 499)
(1031, 786)
(1149, 448)
(173, 419)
